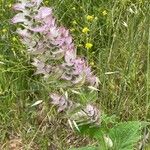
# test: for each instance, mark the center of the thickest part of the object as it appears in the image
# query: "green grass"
(121, 45)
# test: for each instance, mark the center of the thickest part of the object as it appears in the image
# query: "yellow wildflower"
(74, 22)
(104, 13)
(89, 18)
(10, 5)
(14, 39)
(88, 45)
(46, 2)
(92, 63)
(73, 8)
(85, 30)
(4, 30)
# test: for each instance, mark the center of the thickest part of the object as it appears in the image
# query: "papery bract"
(37, 2)
(53, 33)
(19, 6)
(41, 67)
(24, 32)
(19, 18)
(79, 65)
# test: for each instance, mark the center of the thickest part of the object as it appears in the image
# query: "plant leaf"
(37, 103)
(125, 135)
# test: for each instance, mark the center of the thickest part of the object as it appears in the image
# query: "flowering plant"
(55, 55)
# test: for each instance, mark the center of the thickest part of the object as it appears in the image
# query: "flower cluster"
(61, 102)
(88, 114)
(51, 47)
(43, 37)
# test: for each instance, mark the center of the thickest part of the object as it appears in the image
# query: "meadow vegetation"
(114, 37)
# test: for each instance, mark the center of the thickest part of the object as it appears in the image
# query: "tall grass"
(120, 56)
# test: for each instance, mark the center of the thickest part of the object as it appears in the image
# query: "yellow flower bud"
(90, 18)
(4, 30)
(10, 5)
(88, 45)
(85, 30)
(92, 63)
(73, 8)
(104, 13)
(14, 39)
(74, 22)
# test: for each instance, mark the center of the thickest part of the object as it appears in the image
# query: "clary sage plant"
(54, 54)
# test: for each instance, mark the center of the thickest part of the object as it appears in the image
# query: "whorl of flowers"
(52, 50)
(88, 114)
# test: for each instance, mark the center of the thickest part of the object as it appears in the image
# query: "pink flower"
(55, 98)
(47, 26)
(70, 55)
(42, 68)
(93, 80)
(63, 37)
(74, 71)
(50, 21)
(64, 32)
(90, 110)
(61, 102)
(22, 6)
(79, 65)
(93, 113)
(43, 12)
(68, 40)
(52, 33)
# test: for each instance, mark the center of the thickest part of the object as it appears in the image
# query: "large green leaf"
(125, 135)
